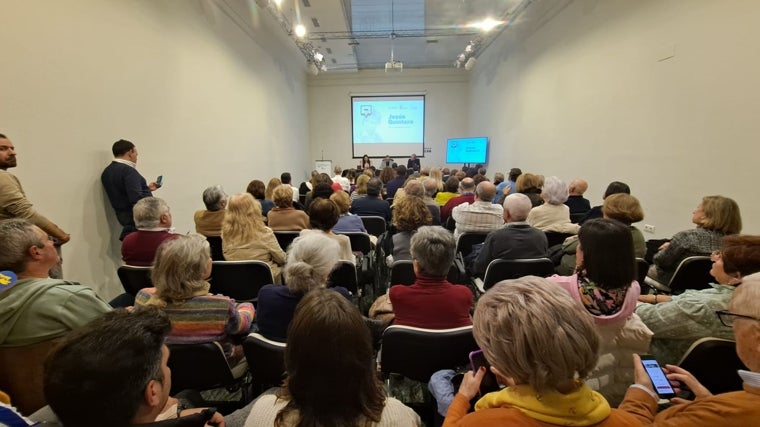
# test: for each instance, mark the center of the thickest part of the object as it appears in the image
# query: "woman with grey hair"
(553, 215)
(541, 346)
(432, 301)
(311, 259)
(209, 222)
(179, 275)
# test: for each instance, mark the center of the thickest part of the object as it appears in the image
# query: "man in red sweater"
(153, 220)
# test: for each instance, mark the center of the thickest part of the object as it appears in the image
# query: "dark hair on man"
(451, 185)
(256, 189)
(121, 147)
(323, 214)
(322, 190)
(3, 136)
(608, 257)
(316, 385)
(374, 187)
(514, 173)
(616, 187)
(97, 375)
(285, 178)
(401, 170)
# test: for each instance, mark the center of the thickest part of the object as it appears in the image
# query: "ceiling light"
(300, 30)
(468, 49)
(487, 24)
(277, 2)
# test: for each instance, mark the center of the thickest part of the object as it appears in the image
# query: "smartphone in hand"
(660, 382)
(489, 383)
(159, 181)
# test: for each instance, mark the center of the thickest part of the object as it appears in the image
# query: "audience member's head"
(285, 178)
(437, 175)
(282, 196)
(361, 184)
(555, 191)
(431, 186)
(401, 171)
(374, 187)
(528, 182)
(414, 188)
(461, 175)
(718, 213)
(605, 253)
(387, 174)
(577, 187)
(152, 212)
(113, 372)
(482, 170)
(739, 256)
(514, 173)
(311, 258)
(181, 268)
(747, 332)
(337, 170)
(25, 248)
(256, 189)
(342, 201)
(425, 171)
(411, 213)
(214, 198)
(432, 249)
(316, 389)
(478, 178)
(273, 183)
(122, 147)
(451, 185)
(323, 214)
(616, 187)
(622, 207)
(485, 191)
(243, 220)
(498, 178)
(466, 185)
(322, 190)
(517, 206)
(517, 321)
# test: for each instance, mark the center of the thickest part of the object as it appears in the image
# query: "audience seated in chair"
(153, 220)
(553, 215)
(331, 376)
(284, 217)
(409, 214)
(466, 195)
(677, 321)
(311, 258)
(257, 189)
(531, 185)
(575, 200)
(615, 187)
(450, 188)
(33, 307)
(605, 284)
(245, 237)
(481, 216)
(515, 324)
(516, 240)
(114, 373)
(347, 222)
(373, 204)
(323, 215)
(432, 302)
(209, 222)
(715, 217)
(431, 188)
(181, 290)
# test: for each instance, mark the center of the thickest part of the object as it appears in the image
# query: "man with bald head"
(516, 240)
(481, 216)
(576, 202)
(466, 195)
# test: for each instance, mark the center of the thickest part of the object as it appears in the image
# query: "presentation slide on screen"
(467, 150)
(388, 125)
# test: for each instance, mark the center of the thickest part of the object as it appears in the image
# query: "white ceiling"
(357, 34)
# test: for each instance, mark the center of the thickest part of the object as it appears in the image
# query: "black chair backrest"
(198, 367)
(359, 242)
(504, 269)
(344, 274)
(417, 353)
(554, 238)
(216, 247)
(402, 273)
(266, 360)
(240, 280)
(375, 225)
(577, 217)
(692, 273)
(285, 238)
(642, 266)
(134, 278)
(714, 363)
(466, 240)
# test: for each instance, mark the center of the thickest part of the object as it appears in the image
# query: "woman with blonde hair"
(245, 237)
(409, 214)
(361, 187)
(437, 175)
(347, 222)
(179, 275)
(284, 217)
(530, 185)
(311, 259)
(715, 217)
(269, 192)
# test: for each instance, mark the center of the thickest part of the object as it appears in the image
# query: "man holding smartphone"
(124, 185)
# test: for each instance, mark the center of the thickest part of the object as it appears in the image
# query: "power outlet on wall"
(649, 228)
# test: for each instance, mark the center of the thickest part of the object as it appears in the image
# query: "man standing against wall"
(124, 185)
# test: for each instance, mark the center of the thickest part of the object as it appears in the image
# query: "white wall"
(446, 109)
(204, 103)
(589, 94)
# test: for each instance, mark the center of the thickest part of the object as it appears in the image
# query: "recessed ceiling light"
(487, 24)
(300, 30)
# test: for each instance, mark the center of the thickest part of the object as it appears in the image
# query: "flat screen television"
(467, 150)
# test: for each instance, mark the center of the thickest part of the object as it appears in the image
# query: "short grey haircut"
(516, 321)
(518, 205)
(213, 197)
(433, 247)
(467, 184)
(147, 212)
(745, 298)
(486, 191)
(431, 186)
(179, 266)
(16, 237)
(311, 257)
(555, 191)
(414, 188)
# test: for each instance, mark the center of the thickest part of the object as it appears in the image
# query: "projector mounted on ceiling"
(394, 66)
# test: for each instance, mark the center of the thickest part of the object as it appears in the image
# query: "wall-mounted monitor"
(467, 150)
